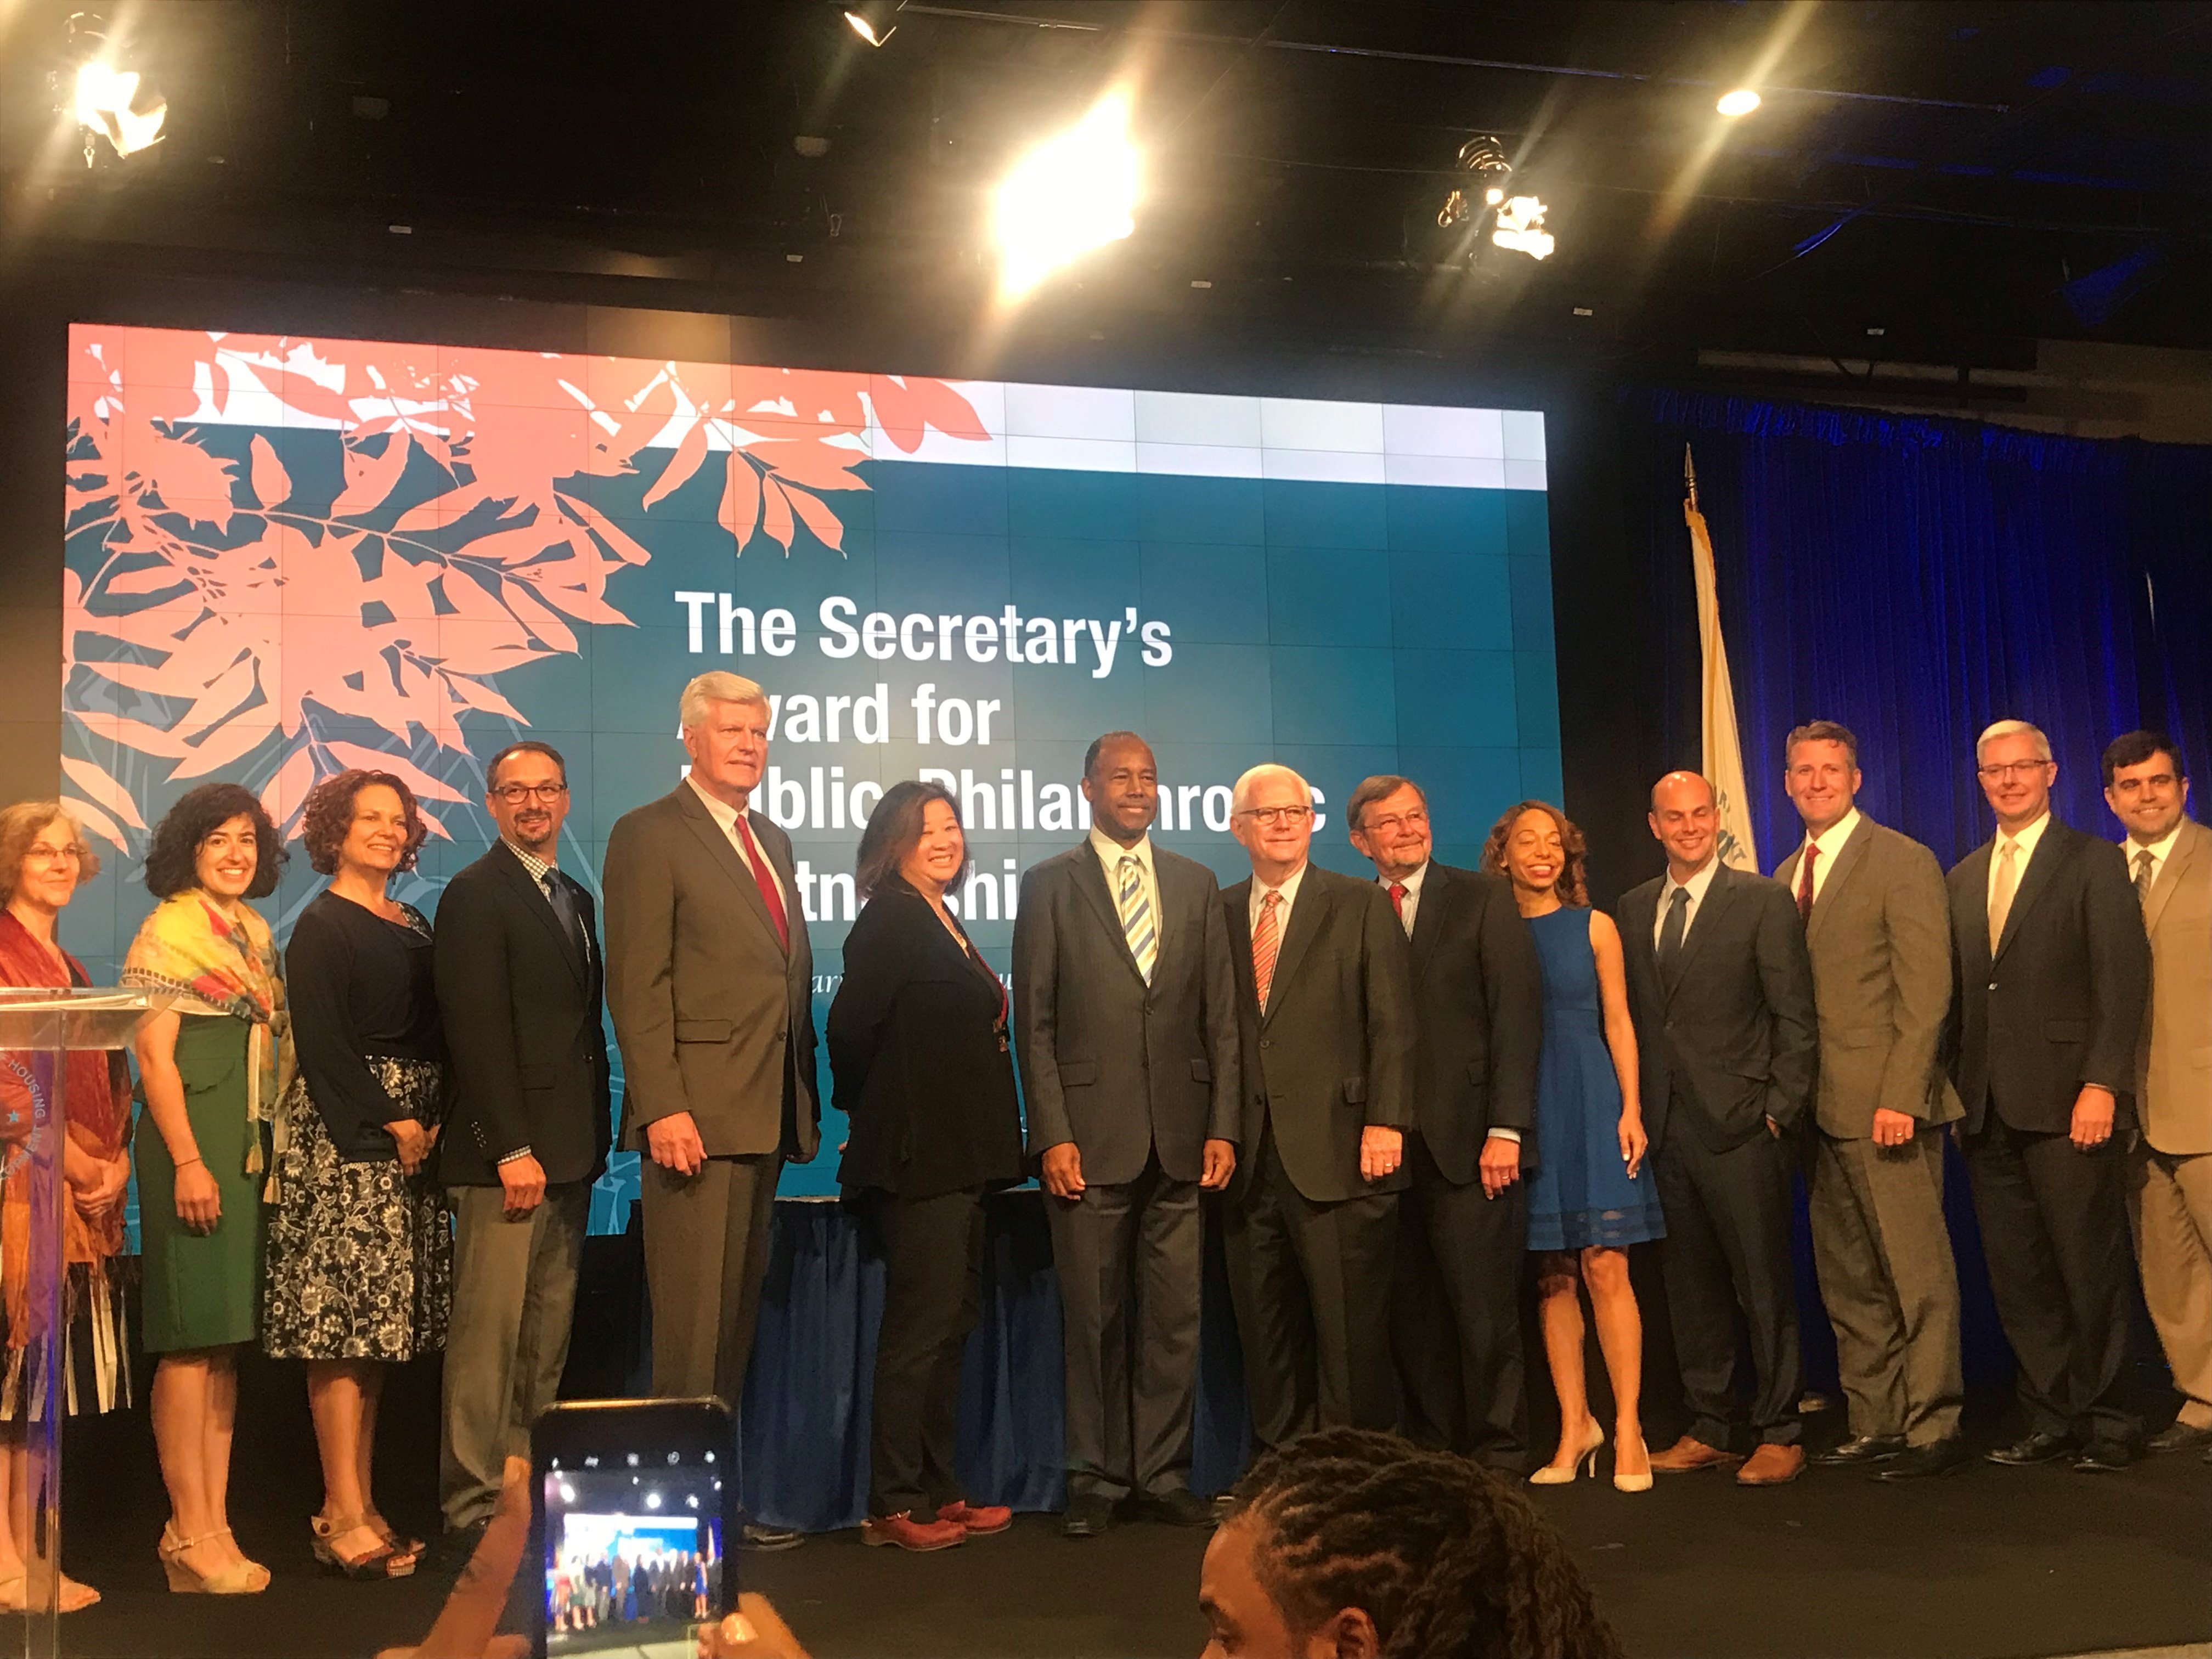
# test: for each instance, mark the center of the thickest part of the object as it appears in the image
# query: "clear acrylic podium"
(37, 1030)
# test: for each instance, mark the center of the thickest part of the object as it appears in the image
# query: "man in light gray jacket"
(1877, 927)
(1125, 1005)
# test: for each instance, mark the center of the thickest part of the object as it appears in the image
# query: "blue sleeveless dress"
(1581, 1195)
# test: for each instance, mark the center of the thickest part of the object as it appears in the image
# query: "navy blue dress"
(1581, 1194)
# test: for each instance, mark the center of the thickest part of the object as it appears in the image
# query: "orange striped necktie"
(1265, 943)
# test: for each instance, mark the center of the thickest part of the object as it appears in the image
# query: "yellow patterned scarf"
(224, 961)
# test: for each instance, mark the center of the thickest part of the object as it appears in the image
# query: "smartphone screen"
(634, 1501)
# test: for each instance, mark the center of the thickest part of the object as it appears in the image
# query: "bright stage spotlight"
(1740, 102)
(875, 21)
(105, 101)
(1075, 191)
(1520, 227)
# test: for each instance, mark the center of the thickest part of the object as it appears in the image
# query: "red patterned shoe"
(976, 1521)
(909, 1533)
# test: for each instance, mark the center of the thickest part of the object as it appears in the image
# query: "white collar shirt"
(1697, 887)
(2160, 850)
(1111, 853)
(1289, 894)
(1411, 904)
(2026, 842)
(726, 816)
(1825, 847)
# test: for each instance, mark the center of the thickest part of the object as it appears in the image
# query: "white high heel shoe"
(1585, 1460)
(1631, 1482)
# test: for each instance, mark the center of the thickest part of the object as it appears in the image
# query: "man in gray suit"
(1126, 1006)
(1325, 1006)
(1876, 926)
(711, 985)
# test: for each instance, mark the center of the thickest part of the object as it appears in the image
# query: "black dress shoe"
(2178, 1438)
(1090, 1515)
(457, 1544)
(1179, 1508)
(1860, 1450)
(764, 1539)
(1923, 1463)
(2103, 1457)
(2037, 1448)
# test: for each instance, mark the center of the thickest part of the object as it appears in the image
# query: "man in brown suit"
(710, 982)
(2170, 1189)
(1876, 926)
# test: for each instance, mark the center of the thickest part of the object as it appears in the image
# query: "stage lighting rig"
(1516, 222)
(105, 101)
(874, 20)
(1075, 191)
(1740, 102)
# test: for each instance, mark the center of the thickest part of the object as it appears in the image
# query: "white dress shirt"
(1829, 843)
(1111, 853)
(2026, 841)
(726, 816)
(1696, 887)
(2158, 849)
(1289, 892)
(1411, 903)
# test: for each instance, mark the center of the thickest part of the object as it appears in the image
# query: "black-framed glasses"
(2027, 768)
(1272, 815)
(515, 793)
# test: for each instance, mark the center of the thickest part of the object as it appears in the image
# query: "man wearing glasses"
(1326, 1029)
(2054, 972)
(518, 985)
(2169, 859)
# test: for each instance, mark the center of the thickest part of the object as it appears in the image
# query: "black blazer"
(915, 1058)
(2061, 1005)
(1478, 997)
(1738, 1042)
(1116, 1065)
(521, 1007)
(1334, 1051)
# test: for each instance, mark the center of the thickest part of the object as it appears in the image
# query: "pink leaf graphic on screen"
(94, 782)
(95, 820)
(272, 484)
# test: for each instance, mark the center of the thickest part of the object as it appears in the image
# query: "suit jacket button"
(1266, 1043)
(1993, 985)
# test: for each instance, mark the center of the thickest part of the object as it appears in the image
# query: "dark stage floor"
(1991, 1564)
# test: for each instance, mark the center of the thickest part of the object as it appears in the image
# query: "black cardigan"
(359, 987)
(917, 1059)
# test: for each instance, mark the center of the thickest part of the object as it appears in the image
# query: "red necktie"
(1805, 881)
(1398, 902)
(1264, 943)
(771, 894)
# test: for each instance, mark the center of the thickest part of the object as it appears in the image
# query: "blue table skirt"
(804, 1425)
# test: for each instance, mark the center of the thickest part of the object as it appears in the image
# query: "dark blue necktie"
(564, 906)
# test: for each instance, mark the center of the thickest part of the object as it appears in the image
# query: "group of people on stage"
(618, 1587)
(1401, 1087)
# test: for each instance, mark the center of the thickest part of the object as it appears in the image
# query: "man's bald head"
(1682, 790)
(1686, 819)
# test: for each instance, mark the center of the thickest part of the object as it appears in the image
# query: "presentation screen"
(288, 557)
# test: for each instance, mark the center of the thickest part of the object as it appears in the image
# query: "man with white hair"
(1325, 1031)
(710, 982)
(2054, 973)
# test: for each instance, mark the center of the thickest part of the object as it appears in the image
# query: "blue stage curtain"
(1917, 580)
(804, 1425)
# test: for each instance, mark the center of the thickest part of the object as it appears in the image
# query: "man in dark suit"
(1326, 1029)
(1726, 1033)
(2053, 978)
(1126, 1006)
(519, 984)
(710, 982)
(1478, 1002)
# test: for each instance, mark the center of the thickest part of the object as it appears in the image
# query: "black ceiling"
(1963, 178)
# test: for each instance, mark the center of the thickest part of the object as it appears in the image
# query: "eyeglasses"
(1293, 815)
(1394, 823)
(2012, 769)
(515, 793)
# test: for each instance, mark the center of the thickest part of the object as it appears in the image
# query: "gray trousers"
(514, 1290)
(1130, 1263)
(706, 1251)
(1882, 1255)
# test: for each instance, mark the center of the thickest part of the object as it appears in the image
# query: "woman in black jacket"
(918, 1051)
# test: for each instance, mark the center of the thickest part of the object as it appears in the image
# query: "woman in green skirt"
(211, 1069)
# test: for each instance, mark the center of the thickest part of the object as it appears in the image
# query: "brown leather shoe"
(1772, 1466)
(1687, 1454)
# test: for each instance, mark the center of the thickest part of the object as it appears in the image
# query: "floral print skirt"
(360, 1256)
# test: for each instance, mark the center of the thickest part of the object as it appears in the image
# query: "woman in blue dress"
(1589, 1197)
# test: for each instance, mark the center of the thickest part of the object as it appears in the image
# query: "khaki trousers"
(2170, 1209)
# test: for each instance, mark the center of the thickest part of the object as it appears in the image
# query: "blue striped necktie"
(1137, 922)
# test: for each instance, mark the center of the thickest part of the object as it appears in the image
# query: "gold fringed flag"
(1723, 758)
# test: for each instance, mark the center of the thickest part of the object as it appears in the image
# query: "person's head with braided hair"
(1349, 1544)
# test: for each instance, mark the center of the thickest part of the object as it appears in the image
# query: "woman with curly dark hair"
(1591, 1198)
(1355, 1543)
(360, 1250)
(211, 1067)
